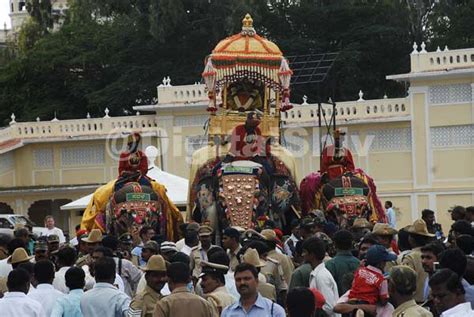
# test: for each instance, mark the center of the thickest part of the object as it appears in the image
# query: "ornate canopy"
(249, 55)
(253, 75)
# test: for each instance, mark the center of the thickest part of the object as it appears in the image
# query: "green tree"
(452, 24)
(30, 33)
(40, 13)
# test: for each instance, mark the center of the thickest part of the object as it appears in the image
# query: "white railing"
(5, 134)
(181, 94)
(350, 111)
(80, 127)
(442, 60)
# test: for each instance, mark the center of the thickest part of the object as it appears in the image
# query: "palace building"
(19, 16)
(419, 149)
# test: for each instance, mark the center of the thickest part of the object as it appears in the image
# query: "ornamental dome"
(245, 55)
(248, 57)
(247, 44)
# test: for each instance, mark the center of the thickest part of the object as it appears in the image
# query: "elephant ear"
(204, 172)
(283, 194)
(205, 197)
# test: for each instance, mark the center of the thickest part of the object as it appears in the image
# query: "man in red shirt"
(246, 139)
(133, 164)
(337, 159)
(133, 160)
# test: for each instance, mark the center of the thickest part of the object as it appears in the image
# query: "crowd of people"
(316, 270)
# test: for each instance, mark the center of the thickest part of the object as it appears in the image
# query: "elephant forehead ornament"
(139, 204)
(238, 191)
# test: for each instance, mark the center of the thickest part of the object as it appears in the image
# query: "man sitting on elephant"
(337, 159)
(247, 143)
(133, 163)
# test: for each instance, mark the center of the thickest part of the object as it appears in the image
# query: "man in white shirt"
(314, 251)
(44, 292)
(51, 229)
(66, 257)
(5, 264)
(15, 302)
(390, 213)
(191, 239)
(98, 253)
(129, 273)
(448, 292)
(290, 243)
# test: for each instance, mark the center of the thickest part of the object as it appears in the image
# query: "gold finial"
(247, 26)
(247, 22)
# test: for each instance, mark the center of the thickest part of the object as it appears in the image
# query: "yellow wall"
(453, 164)
(8, 179)
(445, 201)
(457, 114)
(402, 207)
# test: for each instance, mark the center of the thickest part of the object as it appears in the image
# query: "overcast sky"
(4, 13)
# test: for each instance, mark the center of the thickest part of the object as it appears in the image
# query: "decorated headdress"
(134, 137)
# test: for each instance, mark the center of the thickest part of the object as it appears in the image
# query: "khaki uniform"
(84, 260)
(220, 299)
(183, 303)
(195, 261)
(285, 262)
(3, 285)
(267, 290)
(3, 253)
(389, 265)
(413, 260)
(143, 303)
(234, 260)
(411, 309)
(273, 273)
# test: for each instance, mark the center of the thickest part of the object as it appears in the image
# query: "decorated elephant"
(133, 200)
(244, 193)
(342, 191)
(244, 177)
(134, 206)
(131, 207)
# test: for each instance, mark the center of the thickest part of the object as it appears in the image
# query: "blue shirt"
(104, 300)
(469, 289)
(392, 218)
(137, 251)
(262, 307)
(69, 305)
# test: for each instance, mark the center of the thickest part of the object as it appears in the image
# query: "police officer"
(93, 240)
(213, 285)
(144, 302)
(285, 261)
(199, 252)
(402, 288)
(125, 246)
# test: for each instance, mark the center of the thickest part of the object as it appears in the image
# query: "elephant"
(243, 193)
